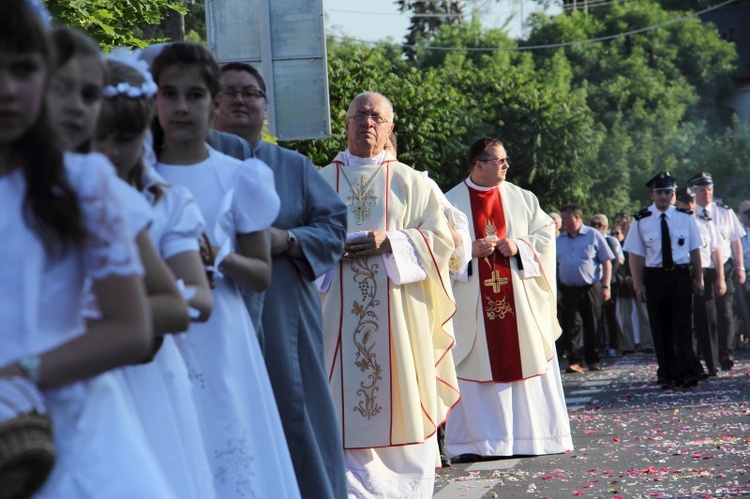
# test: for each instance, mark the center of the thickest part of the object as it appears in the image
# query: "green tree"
(658, 93)
(443, 104)
(427, 17)
(113, 22)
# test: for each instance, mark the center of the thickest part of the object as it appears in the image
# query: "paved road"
(632, 440)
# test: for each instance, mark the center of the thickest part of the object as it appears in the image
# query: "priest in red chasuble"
(386, 313)
(512, 399)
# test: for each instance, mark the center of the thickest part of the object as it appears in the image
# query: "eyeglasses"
(362, 118)
(617, 234)
(247, 94)
(500, 161)
(595, 224)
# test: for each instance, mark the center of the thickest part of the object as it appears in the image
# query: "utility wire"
(589, 4)
(552, 45)
(400, 14)
(568, 7)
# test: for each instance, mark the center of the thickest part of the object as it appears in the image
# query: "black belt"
(676, 267)
(582, 286)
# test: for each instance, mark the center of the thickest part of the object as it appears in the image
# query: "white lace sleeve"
(403, 264)
(109, 248)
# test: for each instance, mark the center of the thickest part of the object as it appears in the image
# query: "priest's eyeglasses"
(362, 118)
(500, 161)
(247, 94)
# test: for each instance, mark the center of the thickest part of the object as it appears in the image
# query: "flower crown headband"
(131, 58)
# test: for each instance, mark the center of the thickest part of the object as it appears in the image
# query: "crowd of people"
(670, 282)
(202, 313)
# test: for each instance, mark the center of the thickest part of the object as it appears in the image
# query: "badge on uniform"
(681, 241)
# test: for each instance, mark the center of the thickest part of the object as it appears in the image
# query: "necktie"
(666, 244)
(706, 214)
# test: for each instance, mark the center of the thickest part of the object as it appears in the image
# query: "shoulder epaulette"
(722, 205)
(684, 210)
(645, 212)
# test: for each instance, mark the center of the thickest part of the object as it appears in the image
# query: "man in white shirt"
(730, 246)
(664, 252)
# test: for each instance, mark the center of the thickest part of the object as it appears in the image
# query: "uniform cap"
(702, 179)
(686, 194)
(663, 181)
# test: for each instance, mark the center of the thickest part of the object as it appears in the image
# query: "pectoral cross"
(496, 282)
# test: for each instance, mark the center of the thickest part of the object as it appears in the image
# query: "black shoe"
(648, 350)
(628, 352)
(444, 461)
(668, 384)
(466, 458)
(712, 374)
(727, 365)
(689, 382)
(703, 375)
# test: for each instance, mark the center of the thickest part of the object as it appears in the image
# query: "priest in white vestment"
(386, 314)
(512, 400)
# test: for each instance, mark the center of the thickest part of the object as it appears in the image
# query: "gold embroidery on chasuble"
(361, 198)
(494, 308)
(365, 335)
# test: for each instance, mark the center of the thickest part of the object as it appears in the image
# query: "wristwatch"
(291, 240)
(30, 365)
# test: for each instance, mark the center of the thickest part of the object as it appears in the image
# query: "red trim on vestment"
(442, 285)
(339, 350)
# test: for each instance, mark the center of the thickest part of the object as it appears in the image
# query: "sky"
(376, 20)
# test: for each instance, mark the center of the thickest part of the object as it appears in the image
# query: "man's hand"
(279, 241)
(606, 294)
(483, 247)
(507, 247)
(698, 288)
(740, 275)
(721, 287)
(376, 242)
(640, 292)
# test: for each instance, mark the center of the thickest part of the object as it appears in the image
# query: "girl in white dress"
(161, 389)
(62, 225)
(74, 101)
(242, 431)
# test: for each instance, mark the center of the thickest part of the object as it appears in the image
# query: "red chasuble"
(496, 285)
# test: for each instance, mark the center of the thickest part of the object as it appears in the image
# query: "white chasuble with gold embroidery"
(388, 346)
(534, 298)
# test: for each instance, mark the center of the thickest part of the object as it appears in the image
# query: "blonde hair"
(127, 116)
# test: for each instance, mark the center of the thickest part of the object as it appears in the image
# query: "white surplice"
(529, 416)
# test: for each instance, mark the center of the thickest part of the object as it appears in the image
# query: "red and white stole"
(496, 289)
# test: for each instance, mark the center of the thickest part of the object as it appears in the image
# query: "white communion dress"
(242, 431)
(160, 390)
(101, 451)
